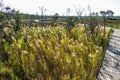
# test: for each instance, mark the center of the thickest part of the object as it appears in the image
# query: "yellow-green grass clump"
(50, 54)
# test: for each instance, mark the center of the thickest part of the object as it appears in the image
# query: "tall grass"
(50, 54)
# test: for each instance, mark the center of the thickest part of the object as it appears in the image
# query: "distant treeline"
(33, 16)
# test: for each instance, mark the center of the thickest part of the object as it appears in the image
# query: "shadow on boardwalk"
(110, 69)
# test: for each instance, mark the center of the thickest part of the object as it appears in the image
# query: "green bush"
(71, 22)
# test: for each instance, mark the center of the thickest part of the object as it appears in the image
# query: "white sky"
(60, 6)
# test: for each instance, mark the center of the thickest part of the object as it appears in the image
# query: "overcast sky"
(60, 6)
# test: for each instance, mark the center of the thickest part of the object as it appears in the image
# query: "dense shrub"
(50, 54)
(71, 22)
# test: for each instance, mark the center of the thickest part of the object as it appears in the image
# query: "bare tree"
(104, 15)
(1, 5)
(68, 11)
(92, 22)
(43, 10)
(79, 12)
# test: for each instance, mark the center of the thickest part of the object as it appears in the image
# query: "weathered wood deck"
(110, 69)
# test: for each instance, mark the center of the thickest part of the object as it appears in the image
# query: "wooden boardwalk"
(110, 69)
